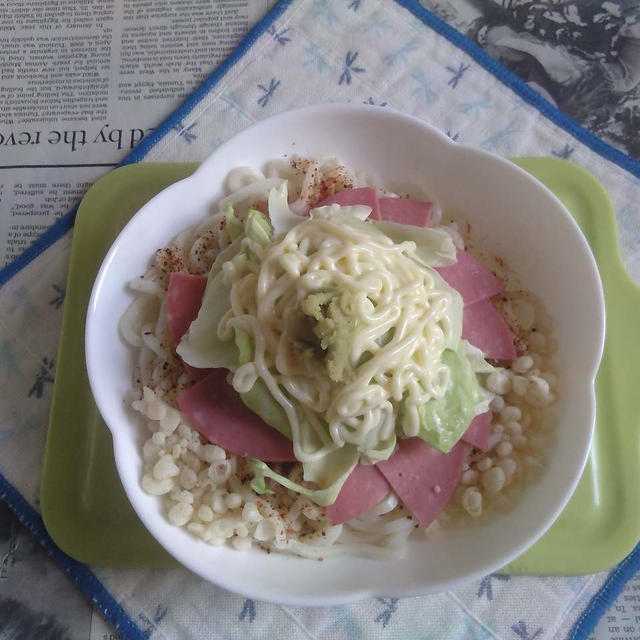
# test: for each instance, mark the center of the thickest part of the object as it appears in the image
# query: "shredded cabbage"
(359, 211)
(280, 214)
(444, 420)
(434, 247)
(330, 473)
(201, 346)
(234, 226)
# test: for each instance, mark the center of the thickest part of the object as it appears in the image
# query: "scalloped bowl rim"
(525, 207)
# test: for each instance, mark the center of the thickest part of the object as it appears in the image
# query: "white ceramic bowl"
(512, 215)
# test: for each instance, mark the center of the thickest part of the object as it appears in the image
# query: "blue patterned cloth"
(362, 51)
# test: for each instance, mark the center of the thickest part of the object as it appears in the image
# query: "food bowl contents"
(325, 370)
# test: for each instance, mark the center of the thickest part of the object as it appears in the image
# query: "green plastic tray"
(84, 506)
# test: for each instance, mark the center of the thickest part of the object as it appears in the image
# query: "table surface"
(585, 58)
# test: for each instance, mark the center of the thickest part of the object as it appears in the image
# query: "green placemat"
(85, 508)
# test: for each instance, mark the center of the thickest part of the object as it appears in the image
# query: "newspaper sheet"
(83, 81)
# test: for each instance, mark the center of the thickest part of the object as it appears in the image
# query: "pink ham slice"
(364, 195)
(184, 299)
(477, 435)
(218, 413)
(423, 477)
(470, 278)
(364, 488)
(484, 328)
(412, 212)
